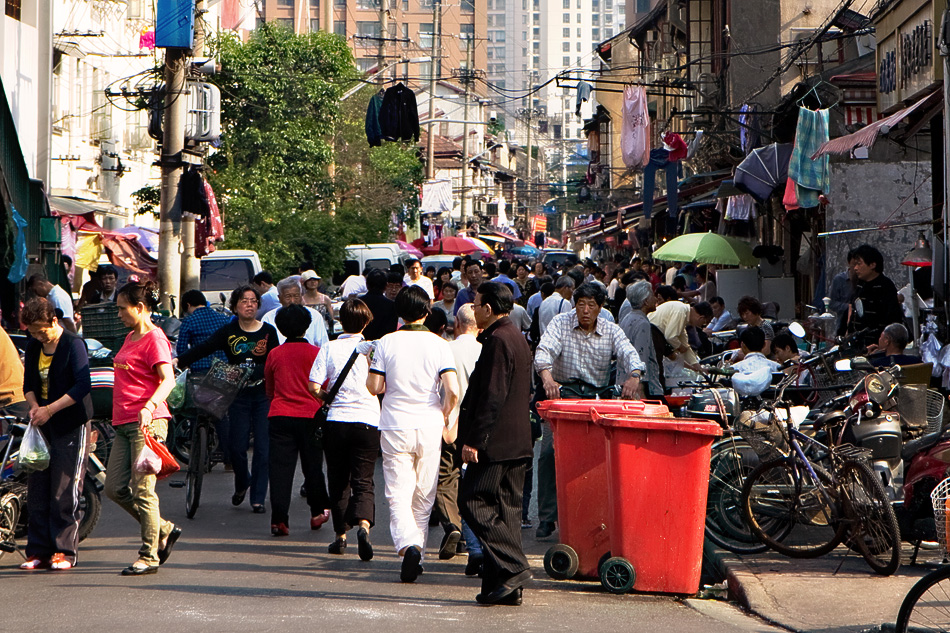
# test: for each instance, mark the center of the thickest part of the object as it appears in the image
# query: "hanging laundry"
(209, 230)
(790, 199)
(635, 127)
(812, 177)
(740, 207)
(676, 145)
(20, 261)
(374, 135)
(436, 197)
(660, 159)
(191, 187)
(131, 255)
(749, 133)
(583, 95)
(593, 146)
(399, 114)
(693, 146)
(88, 251)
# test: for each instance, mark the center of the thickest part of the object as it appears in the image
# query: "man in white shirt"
(354, 285)
(264, 282)
(558, 303)
(414, 277)
(409, 366)
(41, 287)
(722, 318)
(288, 292)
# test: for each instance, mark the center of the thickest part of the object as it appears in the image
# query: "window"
(609, 18)
(536, 62)
(13, 9)
(567, 4)
(366, 63)
(314, 25)
(366, 4)
(566, 18)
(609, 5)
(425, 35)
(566, 62)
(579, 32)
(595, 19)
(608, 33)
(468, 6)
(425, 70)
(595, 5)
(535, 47)
(405, 5)
(578, 47)
(557, 130)
(499, 21)
(315, 4)
(499, 5)
(595, 34)
(524, 51)
(285, 3)
(287, 23)
(524, 36)
(579, 4)
(467, 31)
(567, 32)
(368, 30)
(339, 3)
(524, 18)
(566, 47)
(536, 34)
(580, 18)
(497, 36)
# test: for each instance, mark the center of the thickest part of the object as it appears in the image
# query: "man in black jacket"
(383, 308)
(495, 436)
(875, 304)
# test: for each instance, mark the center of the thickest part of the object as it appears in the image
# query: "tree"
(283, 128)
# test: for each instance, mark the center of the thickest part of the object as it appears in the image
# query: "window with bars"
(567, 32)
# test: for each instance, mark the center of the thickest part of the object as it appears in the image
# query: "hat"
(307, 275)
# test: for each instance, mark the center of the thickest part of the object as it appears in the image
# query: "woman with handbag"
(351, 433)
(56, 387)
(293, 431)
(143, 380)
(245, 341)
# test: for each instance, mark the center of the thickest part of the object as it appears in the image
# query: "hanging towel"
(20, 262)
(635, 128)
(583, 94)
(790, 200)
(88, 251)
(812, 177)
(373, 132)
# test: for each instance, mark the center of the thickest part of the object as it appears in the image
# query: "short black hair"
(750, 304)
(412, 303)
(590, 291)
(719, 301)
(263, 277)
(472, 262)
(753, 337)
(393, 277)
(870, 255)
(498, 296)
(437, 321)
(107, 269)
(504, 267)
(412, 261)
(629, 277)
(577, 274)
(457, 263)
(490, 269)
(785, 341)
(292, 320)
(194, 298)
(679, 282)
(704, 309)
(376, 280)
(667, 293)
(547, 289)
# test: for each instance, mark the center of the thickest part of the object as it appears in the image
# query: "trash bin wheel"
(561, 562)
(617, 575)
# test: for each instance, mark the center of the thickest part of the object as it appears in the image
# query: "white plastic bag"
(148, 462)
(34, 451)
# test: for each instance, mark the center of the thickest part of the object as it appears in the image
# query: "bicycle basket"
(219, 387)
(921, 410)
(940, 498)
(762, 430)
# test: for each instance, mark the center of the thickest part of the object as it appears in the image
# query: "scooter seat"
(914, 447)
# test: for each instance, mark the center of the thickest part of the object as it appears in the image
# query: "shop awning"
(865, 137)
(63, 205)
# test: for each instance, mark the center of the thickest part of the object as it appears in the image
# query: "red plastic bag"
(169, 465)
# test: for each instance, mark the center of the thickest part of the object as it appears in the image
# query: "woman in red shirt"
(292, 431)
(143, 379)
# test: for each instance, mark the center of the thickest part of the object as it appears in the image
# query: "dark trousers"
(660, 159)
(248, 413)
(290, 437)
(351, 450)
(446, 508)
(490, 496)
(53, 497)
(528, 489)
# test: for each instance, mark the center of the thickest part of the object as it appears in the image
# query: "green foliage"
(284, 132)
(148, 199)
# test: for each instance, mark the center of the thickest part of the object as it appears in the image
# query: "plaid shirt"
(195, 328)
(570, 353)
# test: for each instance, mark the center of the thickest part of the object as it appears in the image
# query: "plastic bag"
(148, 462)
(752, 383)
(169, 465)
(176, 399)
(34, 451)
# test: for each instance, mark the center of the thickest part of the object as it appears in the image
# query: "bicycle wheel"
(196, 470)
(926, 606)
(9, 517)
(731, 463)
(874, 530)
(783, 492)
(179, 437)
(91, 504)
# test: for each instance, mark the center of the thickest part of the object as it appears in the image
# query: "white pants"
(411, 472)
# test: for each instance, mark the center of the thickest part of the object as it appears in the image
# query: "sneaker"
(526, 524)
(59, 563)
(35, 563)
(317, 522)
(279, 529)
(449, 542)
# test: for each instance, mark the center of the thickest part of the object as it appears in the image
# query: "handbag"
(320, 417)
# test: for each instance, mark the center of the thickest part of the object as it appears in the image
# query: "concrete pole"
(528, 192)
(173, 143)
(434, 66)
(326, 16)
(190, 264)
(465, 142)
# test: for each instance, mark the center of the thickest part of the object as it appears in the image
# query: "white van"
(361, 256)
(224, 270)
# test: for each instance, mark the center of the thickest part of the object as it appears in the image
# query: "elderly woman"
(640, 332)
(56, 387)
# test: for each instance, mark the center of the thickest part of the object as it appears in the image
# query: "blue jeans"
(471, 541)
(249, 412)
(659, 159)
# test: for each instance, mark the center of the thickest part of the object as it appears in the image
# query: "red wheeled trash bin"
(581, 475)
(658, 475)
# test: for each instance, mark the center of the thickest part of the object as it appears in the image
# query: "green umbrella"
(707, 248)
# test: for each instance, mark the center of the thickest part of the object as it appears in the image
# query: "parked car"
(361, 256)
(224, 270)
(555, 258)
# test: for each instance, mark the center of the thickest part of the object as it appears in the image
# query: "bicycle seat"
(913, 447)
(828, 419)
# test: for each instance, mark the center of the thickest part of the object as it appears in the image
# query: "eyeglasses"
(247, 301)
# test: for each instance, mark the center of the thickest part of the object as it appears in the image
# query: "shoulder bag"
(320, 417)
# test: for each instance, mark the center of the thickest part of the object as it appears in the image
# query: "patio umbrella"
(707, 248)
(525, 251)
(764, 169)
(451, 246)
(480, 245)
(409, 248)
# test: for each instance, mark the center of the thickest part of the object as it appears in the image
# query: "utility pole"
(190, 264)
(434, 67)
(173, 144)
(467, 78)
(383, 36)
(528, 191)
(326, 16)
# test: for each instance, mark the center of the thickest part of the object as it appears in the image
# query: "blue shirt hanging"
(18, 270)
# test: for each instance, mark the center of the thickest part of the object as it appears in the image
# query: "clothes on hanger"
(812, 177)
(191, 188)
(374, 134)
(750, 135)
(741, 207)
(693, 145)
(635, 127)
(209, 230)
(583, 95)
(399, 114)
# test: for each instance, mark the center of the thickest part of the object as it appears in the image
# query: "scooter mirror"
(796, 329)
(843, 365)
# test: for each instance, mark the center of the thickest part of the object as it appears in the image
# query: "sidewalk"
(814, 594)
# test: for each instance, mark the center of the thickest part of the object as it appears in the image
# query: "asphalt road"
(229, 574)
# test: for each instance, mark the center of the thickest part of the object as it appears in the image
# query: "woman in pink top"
(143, 379)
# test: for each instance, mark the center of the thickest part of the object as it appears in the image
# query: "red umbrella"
(451, 246)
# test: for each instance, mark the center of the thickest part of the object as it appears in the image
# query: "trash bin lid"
(579, 410)
(648, 423)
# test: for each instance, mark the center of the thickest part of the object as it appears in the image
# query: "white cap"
(308, 274)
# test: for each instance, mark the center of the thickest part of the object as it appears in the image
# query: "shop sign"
(905, 60)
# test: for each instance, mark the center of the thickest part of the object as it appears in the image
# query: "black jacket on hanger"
(399, 114)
